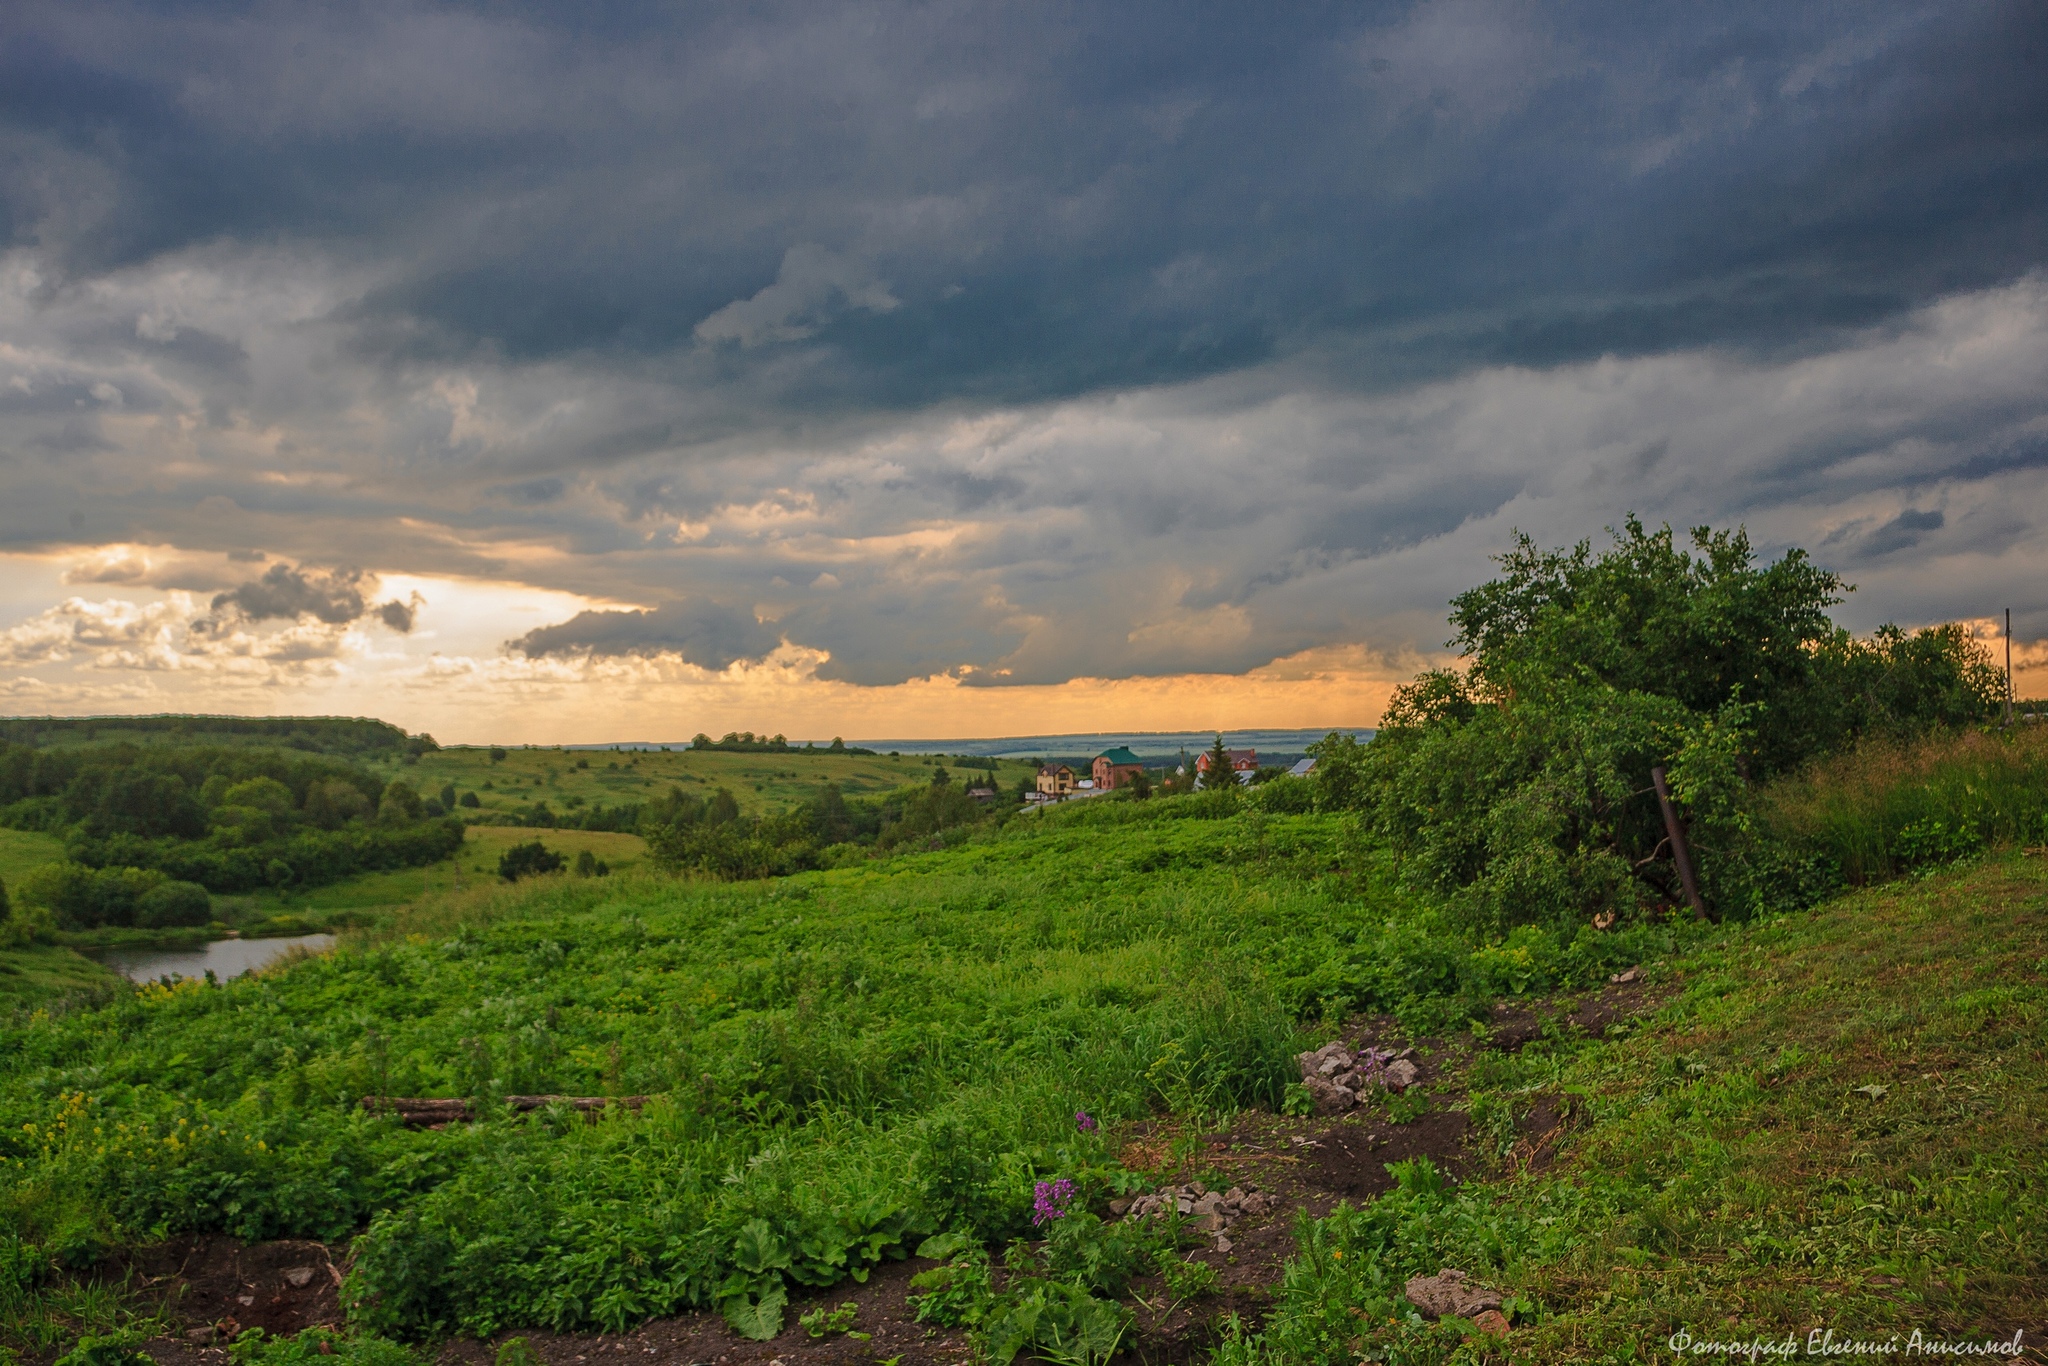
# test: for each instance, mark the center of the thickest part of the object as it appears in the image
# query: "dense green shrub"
(1520, 790)
(173, 903)
(529, 859)
(82, 897)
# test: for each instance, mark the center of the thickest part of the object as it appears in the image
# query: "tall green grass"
(1890, 806)
(841, 1062)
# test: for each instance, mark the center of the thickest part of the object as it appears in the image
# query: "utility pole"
(2008, 667)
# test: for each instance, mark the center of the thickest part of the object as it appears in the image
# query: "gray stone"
(1329, 1097)
(1450, 1292)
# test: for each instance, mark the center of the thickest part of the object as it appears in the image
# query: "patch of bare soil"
(1298, 1165)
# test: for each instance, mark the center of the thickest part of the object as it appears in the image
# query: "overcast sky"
(582, 372)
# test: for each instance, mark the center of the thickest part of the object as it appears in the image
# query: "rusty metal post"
(1681, 853)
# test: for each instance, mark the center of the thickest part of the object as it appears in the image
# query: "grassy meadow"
(1834, 1117)
(21, 850)
(571, 780)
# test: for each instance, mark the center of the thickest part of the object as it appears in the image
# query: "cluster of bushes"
(80, 897)
(533, 857)
(1520, 789)
(227, 818)
(709, 835)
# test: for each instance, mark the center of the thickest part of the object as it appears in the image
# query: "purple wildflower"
(1050, 1200)
(1084, 1121)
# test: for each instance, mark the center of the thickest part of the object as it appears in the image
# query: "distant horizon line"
(949, 744)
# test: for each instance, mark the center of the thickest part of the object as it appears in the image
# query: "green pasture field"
(760, 782)
(21, 850)
(476, 863)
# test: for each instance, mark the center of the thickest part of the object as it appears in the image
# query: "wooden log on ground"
(431, 1112)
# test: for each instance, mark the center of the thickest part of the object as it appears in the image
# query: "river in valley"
(224, 957)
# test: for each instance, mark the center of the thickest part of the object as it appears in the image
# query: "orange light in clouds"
(632, 702)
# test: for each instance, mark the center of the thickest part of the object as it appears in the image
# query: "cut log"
(425, 1112)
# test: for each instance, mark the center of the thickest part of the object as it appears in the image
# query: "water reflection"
(224, 957)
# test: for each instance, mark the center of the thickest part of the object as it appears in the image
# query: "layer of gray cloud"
(1019, 345)
(706, 635)
(332, 597)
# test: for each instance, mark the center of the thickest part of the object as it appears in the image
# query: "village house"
(1244, 764)
(1116, 768)
(1055, 780)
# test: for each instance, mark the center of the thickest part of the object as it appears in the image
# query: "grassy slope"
(761, 782)
(21, 850)
(1836, 1121)
(1839, 1121)
(40, 972)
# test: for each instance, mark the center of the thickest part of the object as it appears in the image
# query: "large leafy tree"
(1520, 785)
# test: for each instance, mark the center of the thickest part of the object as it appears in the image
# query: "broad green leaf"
(758, 1319)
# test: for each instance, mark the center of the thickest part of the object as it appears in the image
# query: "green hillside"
(569, 780)
(1689, 991)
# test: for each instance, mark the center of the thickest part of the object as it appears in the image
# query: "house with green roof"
(1116, 768)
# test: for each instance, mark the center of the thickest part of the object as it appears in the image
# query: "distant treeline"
(230, 818)
(358, 736)
(746, 742)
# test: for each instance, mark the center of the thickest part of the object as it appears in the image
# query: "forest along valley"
(747, 1052)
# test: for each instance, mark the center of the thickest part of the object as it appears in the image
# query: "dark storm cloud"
(1903, 532)
(334, 597)
(702, 633)
(1010, 203)
(1014, 342)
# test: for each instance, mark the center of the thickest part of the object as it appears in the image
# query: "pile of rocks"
(1212, 1211)
(1335, 1074)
